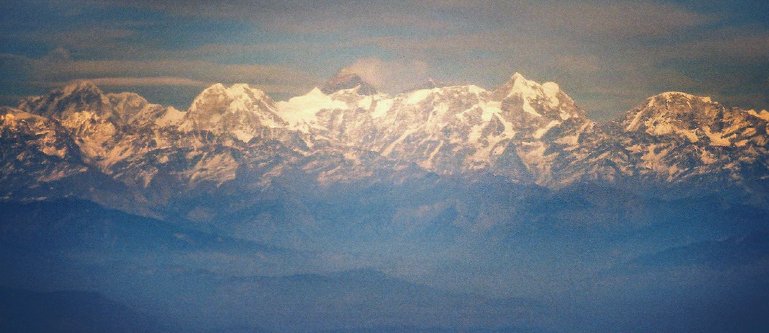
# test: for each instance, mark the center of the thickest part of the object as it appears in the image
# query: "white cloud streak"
(391, 76)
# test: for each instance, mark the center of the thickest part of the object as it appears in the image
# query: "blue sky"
(608, 55)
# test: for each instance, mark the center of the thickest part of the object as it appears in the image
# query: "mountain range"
(447, 208)
(526, 132)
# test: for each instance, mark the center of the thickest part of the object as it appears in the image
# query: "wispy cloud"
(609, 55)
(623, 19)
(184, 77)
(58, 66)
(146, 81)
(744, 45)
(392, 76)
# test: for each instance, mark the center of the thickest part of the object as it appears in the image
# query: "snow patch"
(366, 102)
(490, 109)
(473, 89)
(417, 96)
(302, 110)
(218, 168)
(551, 90)
(171, 117)
(636, 122)
(707, 158)
(391, 146)
(242, 135)
(525, 89)
(762, 115)
(428, 163)
(653, 159)
(382, 106)
(715, 138)
(675, 94)
(542, 131)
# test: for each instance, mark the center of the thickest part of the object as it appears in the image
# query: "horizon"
(293, 166)
(186, 107)
(608, 56)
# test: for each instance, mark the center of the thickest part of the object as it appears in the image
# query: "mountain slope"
(69, 311)
(690, 141)
(523, 131)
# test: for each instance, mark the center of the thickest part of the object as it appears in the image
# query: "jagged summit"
(431, 84)
(239, 110)
(343, 81)
(518, 85)
(678, 94)
(523, 130)
(233, 90)
(76, 96)
(80, 86)
(535, 100)
(682, 126)
(672, 111)
(672, 96)
(240, 96)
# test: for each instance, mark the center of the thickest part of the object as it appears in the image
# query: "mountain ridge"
(523, 130)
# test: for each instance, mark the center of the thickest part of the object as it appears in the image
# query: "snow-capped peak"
(523, 130)
(536, 99)
(238, 109)
(80, 86)
(763, 114)
(237, 97)
(520, 86)
(233, 90)
(694, 118)
(301, 111)
(669, 96)
(75, 97)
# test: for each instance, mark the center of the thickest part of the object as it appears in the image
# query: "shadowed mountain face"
(344, 81)
(68, 311)
(448, 208)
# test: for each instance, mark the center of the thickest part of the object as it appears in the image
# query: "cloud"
(94, 39)
(146, 81)
(619, 18)
(743, 45)
(20, 75)
(608, 55)
(391, 76)
(586, 19)
(307, 17)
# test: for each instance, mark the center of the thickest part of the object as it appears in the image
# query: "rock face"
(452, 130)
(677, 138)
(239, 110)
(344, 81)
(523, 131)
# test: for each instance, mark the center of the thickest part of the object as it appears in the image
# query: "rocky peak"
(670, 111)
(14, 118)
(77, 96)
(430, 84)
(534, 100)
(218, 99)
(343, 81)
(80, 87)
(696, 119)
(128, 105)
(238, 109)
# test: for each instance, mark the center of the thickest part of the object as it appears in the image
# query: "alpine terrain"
(444, 208)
